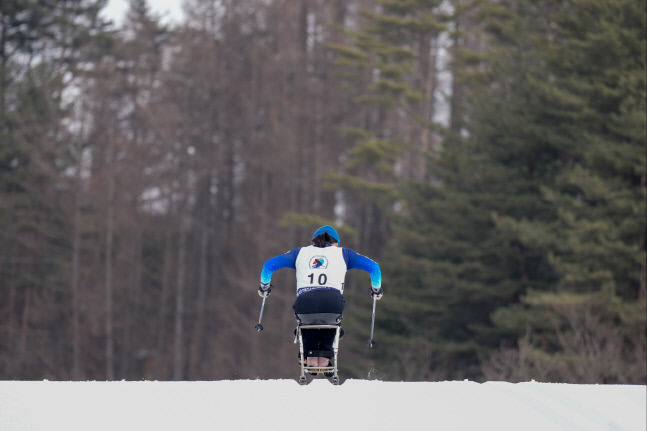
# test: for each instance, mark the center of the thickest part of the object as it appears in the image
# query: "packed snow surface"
(354, 405)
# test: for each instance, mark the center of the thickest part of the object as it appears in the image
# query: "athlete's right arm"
(286, 260)
(355, 260)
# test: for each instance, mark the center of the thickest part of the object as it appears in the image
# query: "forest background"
(491, 155)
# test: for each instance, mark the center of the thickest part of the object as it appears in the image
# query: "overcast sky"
(168, 9)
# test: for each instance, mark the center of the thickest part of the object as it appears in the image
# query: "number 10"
(322, 279)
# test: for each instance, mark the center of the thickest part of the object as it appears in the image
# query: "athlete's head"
(324, 236)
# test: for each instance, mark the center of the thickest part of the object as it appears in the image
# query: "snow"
(285, 405)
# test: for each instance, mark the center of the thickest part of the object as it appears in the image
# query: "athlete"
(320, 272)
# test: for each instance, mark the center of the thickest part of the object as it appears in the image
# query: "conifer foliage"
(526, 258)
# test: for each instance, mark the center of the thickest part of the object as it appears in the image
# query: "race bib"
(320, 267)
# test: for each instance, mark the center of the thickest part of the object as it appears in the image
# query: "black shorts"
(320, 301)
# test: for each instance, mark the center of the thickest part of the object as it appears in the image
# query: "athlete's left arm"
(355, 260)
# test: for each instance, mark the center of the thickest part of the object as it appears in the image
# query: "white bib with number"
(320, 267)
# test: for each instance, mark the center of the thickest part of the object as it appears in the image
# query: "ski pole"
(371, 342)
(258, 326)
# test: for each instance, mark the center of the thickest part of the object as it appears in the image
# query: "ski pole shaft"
(258, 326)
(371, 342)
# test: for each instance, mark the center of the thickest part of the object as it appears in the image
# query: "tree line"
(490, 155)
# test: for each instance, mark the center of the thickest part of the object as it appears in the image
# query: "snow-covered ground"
(354, 405)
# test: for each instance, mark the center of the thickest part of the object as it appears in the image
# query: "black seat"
(319, 319)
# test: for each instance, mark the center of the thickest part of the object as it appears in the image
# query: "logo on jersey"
(319, 262)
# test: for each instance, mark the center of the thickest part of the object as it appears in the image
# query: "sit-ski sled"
(314, 322)
(318, 322)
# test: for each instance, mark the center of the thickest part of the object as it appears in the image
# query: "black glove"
(377, 293)
(264, 289)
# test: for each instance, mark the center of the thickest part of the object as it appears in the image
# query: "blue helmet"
(329, 230)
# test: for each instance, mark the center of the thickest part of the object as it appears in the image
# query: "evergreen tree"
(506, 223)
(594, 315)
(452, 266)
(391, 71)
(41, 43)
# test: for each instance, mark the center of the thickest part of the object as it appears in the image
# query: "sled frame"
(318, 370)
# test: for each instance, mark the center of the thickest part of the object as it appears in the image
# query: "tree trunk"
(76, 244)
(198, 330)
(179, 305)
(162, 305)
(109, 352)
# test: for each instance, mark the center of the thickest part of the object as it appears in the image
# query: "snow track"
(284, 405)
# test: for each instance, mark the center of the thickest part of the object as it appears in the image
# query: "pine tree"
(390, 62)
(391, 70)
(41, 43)
(594, 327)
(542, 193)
(452, 266)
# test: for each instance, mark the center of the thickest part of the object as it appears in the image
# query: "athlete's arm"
(355, 260)
(286, 260)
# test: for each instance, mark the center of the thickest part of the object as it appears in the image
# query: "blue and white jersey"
(321, 267)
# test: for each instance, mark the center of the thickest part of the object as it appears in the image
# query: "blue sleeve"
(286, 260)
(355, 260)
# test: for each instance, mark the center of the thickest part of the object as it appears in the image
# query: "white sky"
(168, 9)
